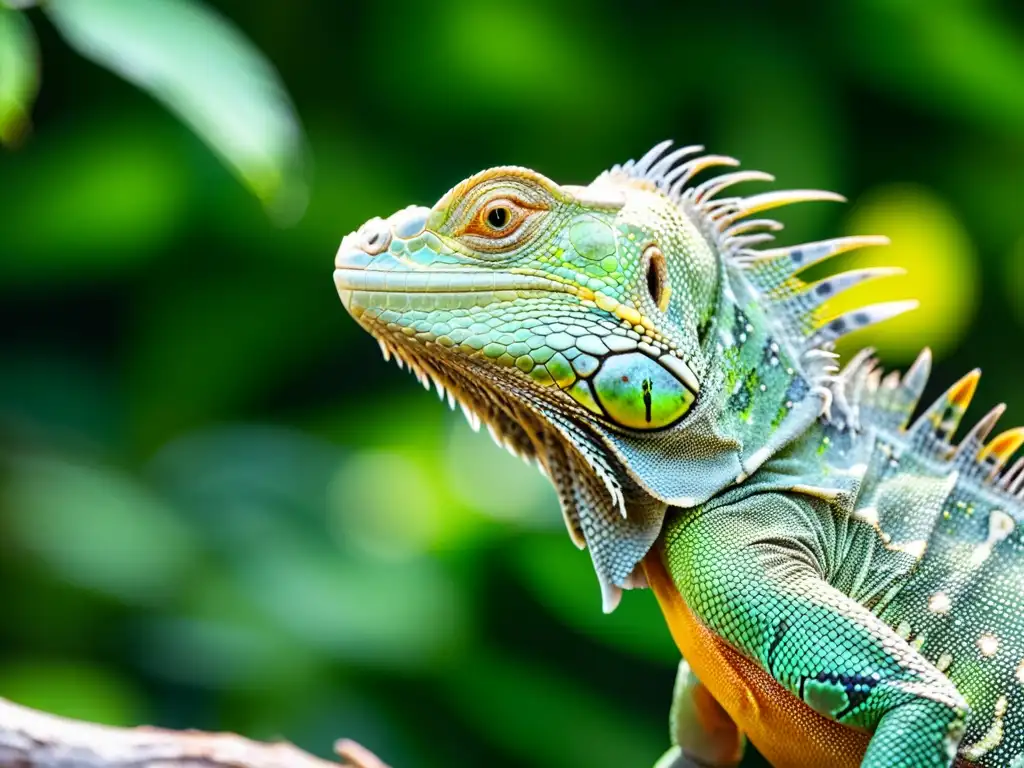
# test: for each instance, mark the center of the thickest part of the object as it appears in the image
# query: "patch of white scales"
(939, 603)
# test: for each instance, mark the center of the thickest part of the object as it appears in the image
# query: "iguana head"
(605, 331)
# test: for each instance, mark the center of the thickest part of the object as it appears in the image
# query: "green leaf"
(19, 75)
(203, 69)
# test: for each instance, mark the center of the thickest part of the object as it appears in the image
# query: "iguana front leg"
(702, 732)
(764, 593)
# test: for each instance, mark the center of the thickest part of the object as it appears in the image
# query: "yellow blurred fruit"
(931, 244)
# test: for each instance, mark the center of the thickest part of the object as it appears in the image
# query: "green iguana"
(846, 587)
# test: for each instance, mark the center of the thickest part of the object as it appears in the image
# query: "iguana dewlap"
(845, 584)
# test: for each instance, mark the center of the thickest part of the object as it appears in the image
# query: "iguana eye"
(498, 218)
(639, 393)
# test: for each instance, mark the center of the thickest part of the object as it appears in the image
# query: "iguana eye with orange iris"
(498, 218)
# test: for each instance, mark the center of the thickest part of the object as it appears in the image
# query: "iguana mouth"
(443, 282)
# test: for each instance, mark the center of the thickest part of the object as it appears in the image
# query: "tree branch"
(31, 739)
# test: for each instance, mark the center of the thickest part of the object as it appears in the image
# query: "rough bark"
(32, 739)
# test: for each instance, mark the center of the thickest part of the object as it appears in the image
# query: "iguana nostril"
(376, 236)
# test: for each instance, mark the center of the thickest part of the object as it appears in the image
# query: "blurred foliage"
(192, 61)
(220, 509)
(19, 78)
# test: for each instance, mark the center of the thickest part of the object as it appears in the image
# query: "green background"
(219, 508)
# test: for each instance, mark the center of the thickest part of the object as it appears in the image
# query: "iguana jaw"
(594, 490)
(484, 283)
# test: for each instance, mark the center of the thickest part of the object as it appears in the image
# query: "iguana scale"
(845, 583)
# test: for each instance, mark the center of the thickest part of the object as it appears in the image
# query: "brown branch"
(31, 739)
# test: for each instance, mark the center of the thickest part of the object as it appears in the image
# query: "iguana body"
(846, 589)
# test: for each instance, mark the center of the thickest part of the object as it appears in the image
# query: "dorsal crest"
(861, 395)
(796, 306)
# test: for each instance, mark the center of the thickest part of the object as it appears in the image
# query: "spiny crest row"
(860, 391)
(864, 393)
(797, 305)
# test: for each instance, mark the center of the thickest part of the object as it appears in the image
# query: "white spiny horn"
(1015, 477)
(766, 201)
(859, 361)
(843, 391)
(1010, 475)
(495, 435)
(820, 354)
(718, 209)
(914, 383)
(891, 381)
(751, 224)
(687, 171)
(421, 376)
(975, 439)
(857, 383)
(644, 163)
(708, 189)
(826, 400)
(745, 242)
(385, 352)
(825, 290)
(662, 166)
(857, 319)
(673, 174)
(805, 255)
(439, 386)
(873, 380)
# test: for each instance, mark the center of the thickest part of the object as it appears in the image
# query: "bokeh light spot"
(490, 480)
(932, 245)
(386, 504)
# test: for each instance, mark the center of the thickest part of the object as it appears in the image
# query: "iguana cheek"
(638, 393)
